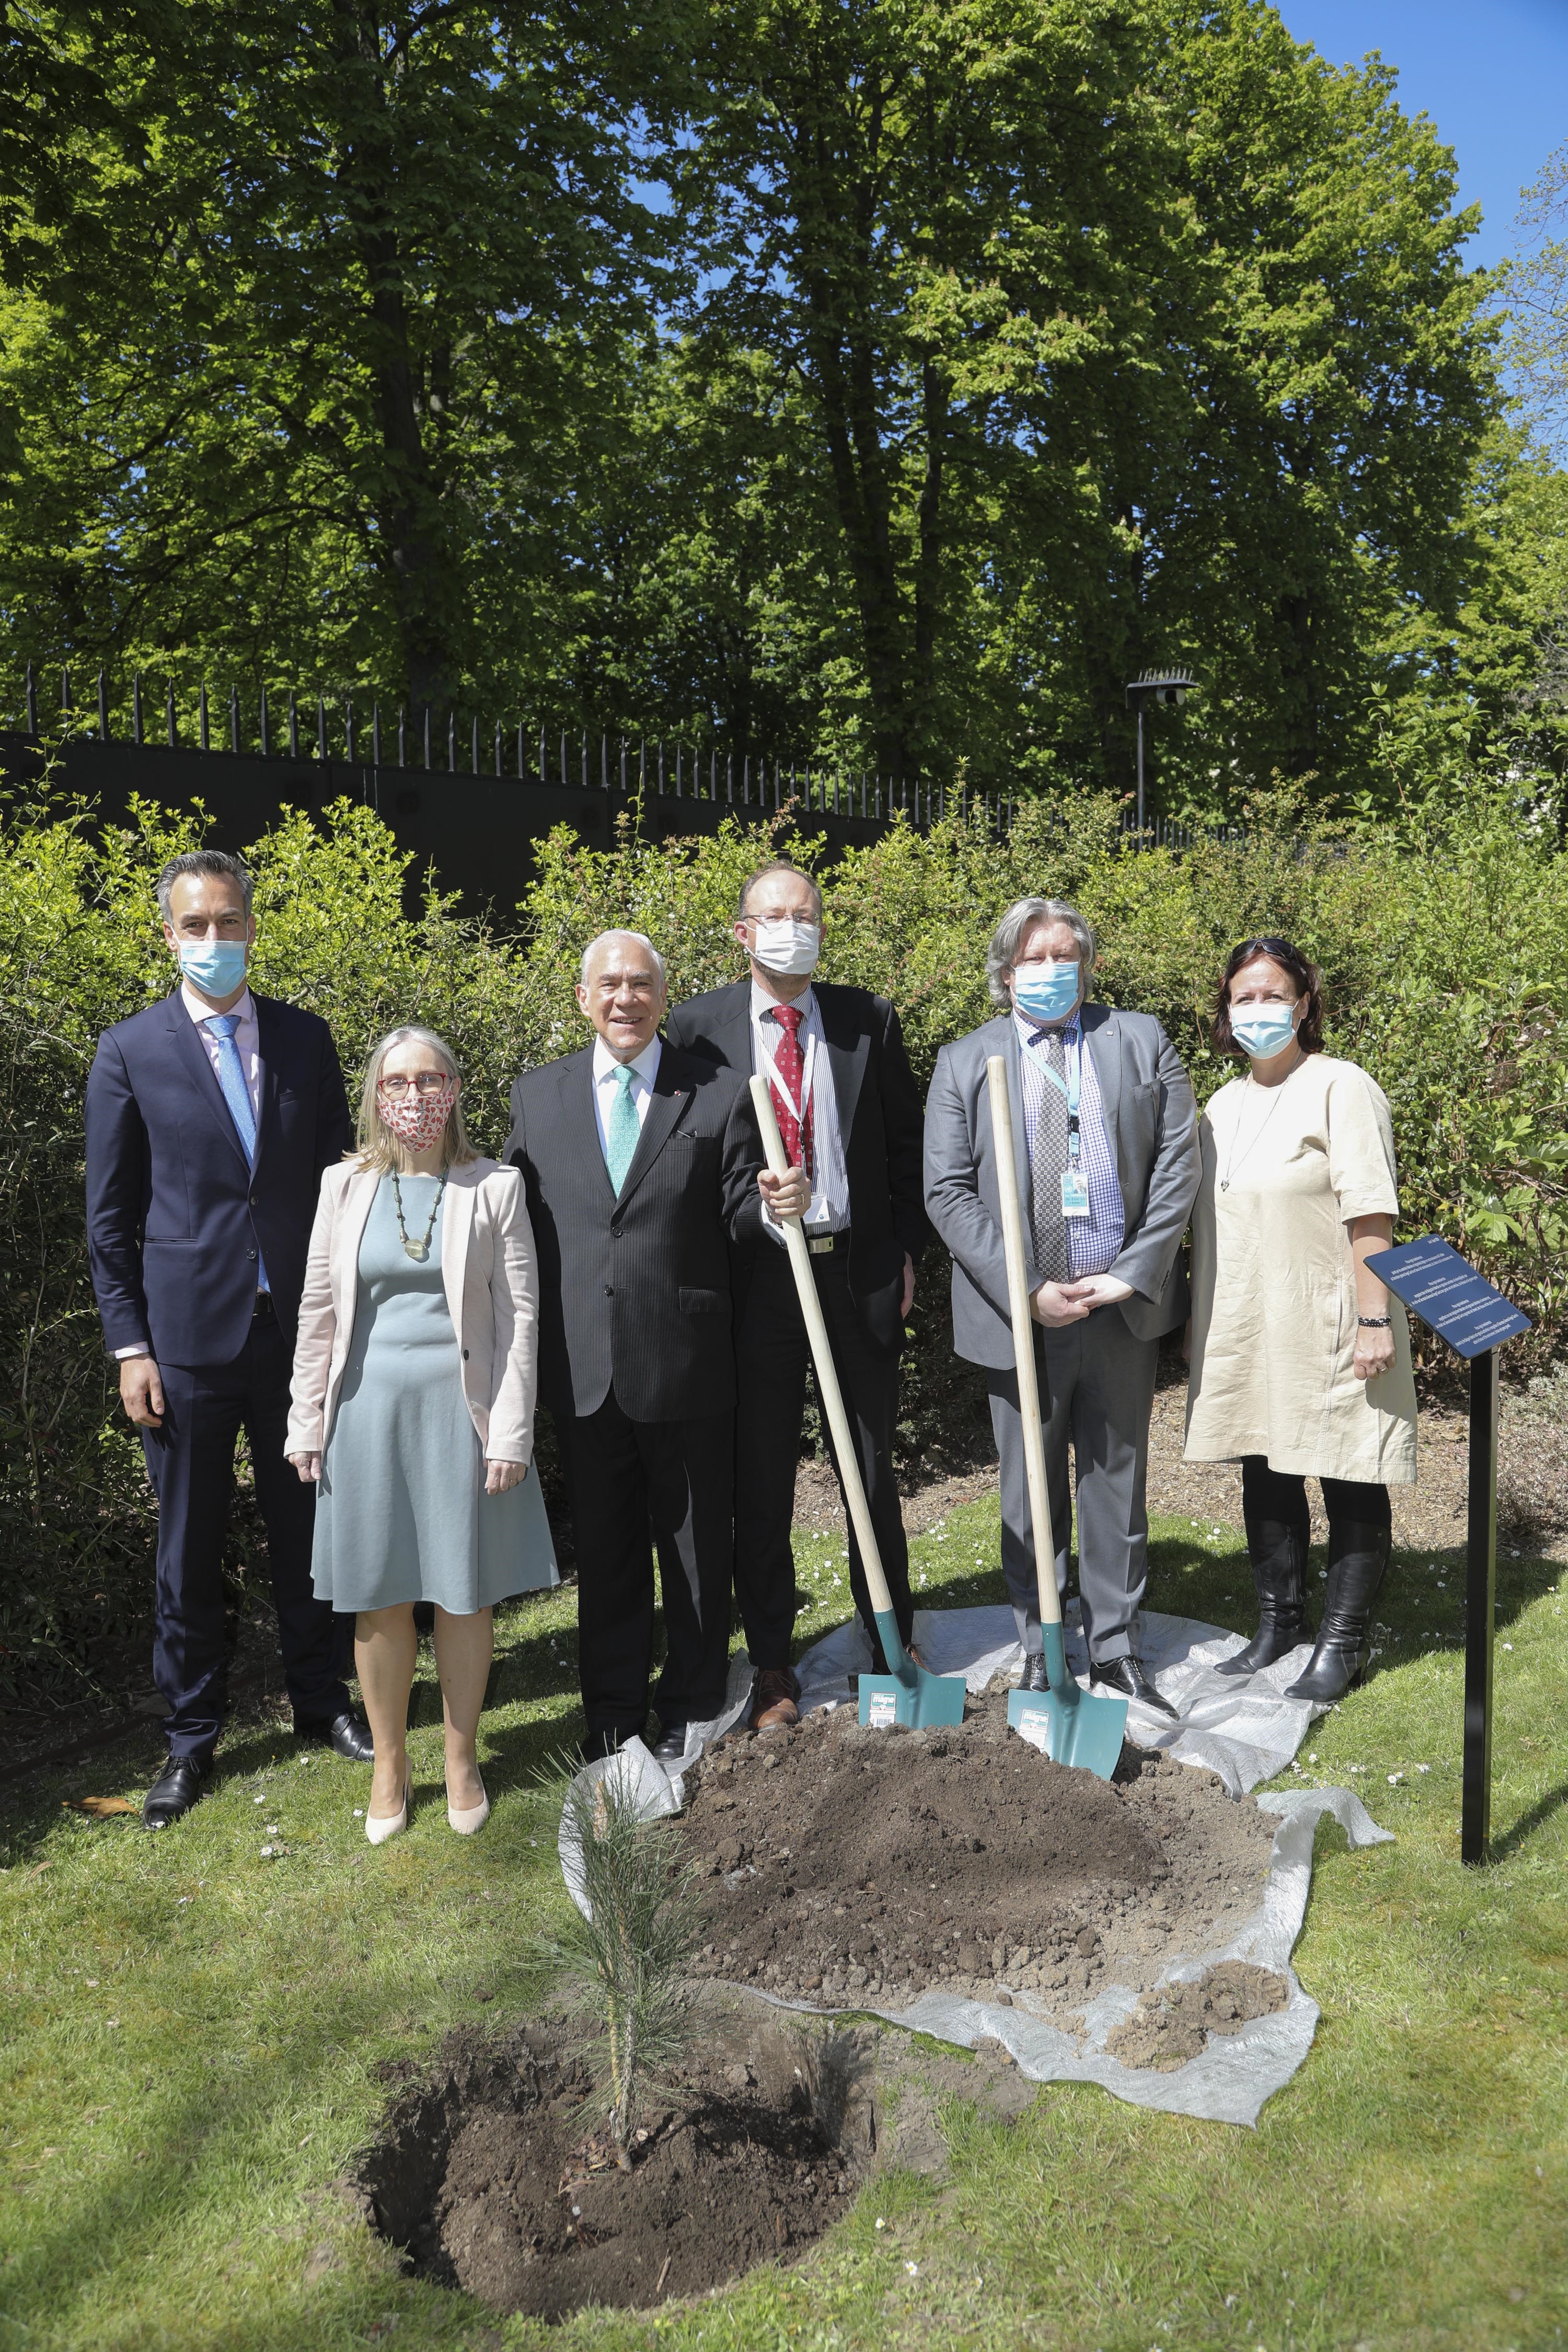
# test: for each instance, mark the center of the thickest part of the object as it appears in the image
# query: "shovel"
(909, 1694)
(1077, 1727)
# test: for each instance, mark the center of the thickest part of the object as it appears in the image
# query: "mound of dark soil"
(1172, 2025)
(848, 1865)
(492, 2176)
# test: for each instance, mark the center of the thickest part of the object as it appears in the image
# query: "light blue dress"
(401, 1511)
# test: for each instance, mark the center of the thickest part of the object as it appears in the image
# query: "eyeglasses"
(423, 1082)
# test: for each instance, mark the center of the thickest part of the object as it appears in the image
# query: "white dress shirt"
(247, 1037)
(644, 1070)
(829, 1209)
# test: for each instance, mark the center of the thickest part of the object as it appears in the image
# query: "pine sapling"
(631, 1954)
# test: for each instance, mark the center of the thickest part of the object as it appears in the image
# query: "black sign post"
(1475, 1318)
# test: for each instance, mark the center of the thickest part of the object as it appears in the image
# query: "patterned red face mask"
(417, 1121)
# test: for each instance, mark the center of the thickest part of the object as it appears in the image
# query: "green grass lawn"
(192, 2030)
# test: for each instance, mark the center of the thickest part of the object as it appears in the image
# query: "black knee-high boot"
(1358, 1562)
(1278, 1550)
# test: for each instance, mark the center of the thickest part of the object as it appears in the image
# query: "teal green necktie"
(621, 1128)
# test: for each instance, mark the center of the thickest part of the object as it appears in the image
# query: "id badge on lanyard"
(1074, 1179)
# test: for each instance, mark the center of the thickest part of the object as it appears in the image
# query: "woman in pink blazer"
(414, 1384)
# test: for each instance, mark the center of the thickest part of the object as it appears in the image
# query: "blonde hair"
(373, 1138)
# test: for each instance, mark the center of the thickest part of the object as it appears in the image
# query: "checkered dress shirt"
(1094, 1243)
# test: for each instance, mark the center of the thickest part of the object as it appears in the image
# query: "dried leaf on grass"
(100, 1808)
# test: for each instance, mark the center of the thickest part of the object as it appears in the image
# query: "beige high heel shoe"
(378, 1828)
(465, 1819)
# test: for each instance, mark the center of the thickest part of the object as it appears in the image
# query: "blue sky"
(1492, 75)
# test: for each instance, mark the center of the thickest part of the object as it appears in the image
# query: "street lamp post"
(1170, 687)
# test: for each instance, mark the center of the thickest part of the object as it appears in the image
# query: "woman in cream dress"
(1301, 1359)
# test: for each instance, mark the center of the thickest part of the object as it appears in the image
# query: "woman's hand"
(308, 1466)
(502, 1476)
(1373, 1353)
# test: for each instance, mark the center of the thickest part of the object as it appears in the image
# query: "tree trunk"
(415, 545)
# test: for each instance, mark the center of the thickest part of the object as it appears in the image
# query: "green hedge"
(1445, 941)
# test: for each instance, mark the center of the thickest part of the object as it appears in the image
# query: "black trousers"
(191, 1463)
(1281, 1494)
(771, 1356)
(627, 1480)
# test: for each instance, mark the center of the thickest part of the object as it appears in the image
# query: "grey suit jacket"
(1146, 1098)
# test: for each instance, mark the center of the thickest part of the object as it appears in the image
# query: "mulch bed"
(491, 2174)
(844, 1867)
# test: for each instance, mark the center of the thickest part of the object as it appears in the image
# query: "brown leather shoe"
(774, 1701)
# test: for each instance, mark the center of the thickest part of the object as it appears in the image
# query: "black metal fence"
(449, 788)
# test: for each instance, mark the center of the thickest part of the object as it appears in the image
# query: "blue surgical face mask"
(1263, 1030)
(214, 966)
(1046, 992)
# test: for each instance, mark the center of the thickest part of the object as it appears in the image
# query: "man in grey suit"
(1106, 1136)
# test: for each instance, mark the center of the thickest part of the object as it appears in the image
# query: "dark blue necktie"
(237, 1095)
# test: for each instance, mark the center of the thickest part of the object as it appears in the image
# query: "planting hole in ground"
(495, 2174)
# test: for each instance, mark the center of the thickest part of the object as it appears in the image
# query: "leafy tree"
(326, 277)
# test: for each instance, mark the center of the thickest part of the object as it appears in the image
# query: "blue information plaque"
(1460, 1305)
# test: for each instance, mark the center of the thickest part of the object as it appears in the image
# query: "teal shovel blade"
(908, 1694)
(1079, 1728)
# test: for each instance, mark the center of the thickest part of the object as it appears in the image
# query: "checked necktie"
(621, 1129)
(794, 1132)
(1049, 1158)
(236, 1094)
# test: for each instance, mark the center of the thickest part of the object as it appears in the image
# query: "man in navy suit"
(210, 1118)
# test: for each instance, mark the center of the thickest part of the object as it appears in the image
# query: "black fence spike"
(293, 726)
(135, 708)
(474, 745)
(234, 719)
(266, 733)
(349, 729)
(65, 693)
(403, 735)
(203, 723)
(321, 729)
(32, 703)
(103, 708)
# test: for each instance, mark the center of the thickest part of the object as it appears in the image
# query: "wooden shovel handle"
(821, 1357)
(1023, 1340)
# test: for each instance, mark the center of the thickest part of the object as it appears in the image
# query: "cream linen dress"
(1274, 1299)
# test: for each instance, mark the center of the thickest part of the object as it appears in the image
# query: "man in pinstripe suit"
(643, 1165)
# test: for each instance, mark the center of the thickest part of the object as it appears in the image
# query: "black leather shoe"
(1034, 1676)
(1126, 1676)
(347, 1734)
(182, 1783)
(670, 1748)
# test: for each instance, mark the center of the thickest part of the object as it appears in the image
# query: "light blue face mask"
(1264, 1030)
(1046, 991)
(214, 966)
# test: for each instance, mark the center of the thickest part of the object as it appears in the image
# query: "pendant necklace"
(419, 1250)
(1258, 1133)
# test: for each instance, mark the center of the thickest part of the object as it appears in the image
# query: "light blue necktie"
(237, 1095)
(621, 1128)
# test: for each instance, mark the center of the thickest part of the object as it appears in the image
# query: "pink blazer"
(491, 1280)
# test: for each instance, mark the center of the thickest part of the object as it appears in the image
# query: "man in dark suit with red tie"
(849, 1114)
(210, 1118)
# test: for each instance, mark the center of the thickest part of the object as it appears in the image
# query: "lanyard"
(1070, 1086)
(799, 1108)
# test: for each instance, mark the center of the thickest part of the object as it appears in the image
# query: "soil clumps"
(1170, 2026)
(493, 2174)
(845, 1866)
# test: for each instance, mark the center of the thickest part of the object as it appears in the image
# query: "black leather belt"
(827, 1244)
(264, 1311)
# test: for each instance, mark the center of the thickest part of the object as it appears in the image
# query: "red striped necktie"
(796, 1132)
